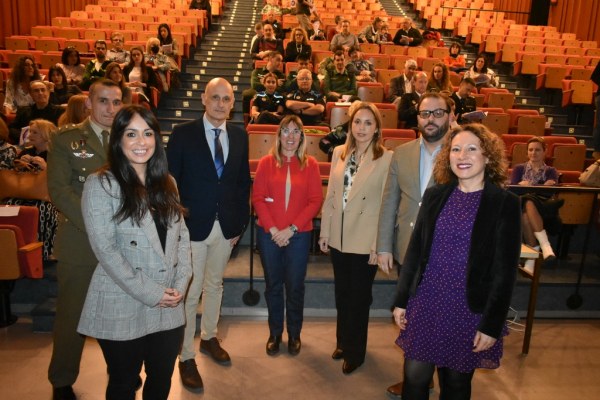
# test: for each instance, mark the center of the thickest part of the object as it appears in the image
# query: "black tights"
(454, 385)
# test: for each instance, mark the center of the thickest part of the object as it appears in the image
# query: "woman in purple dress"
(454, 292)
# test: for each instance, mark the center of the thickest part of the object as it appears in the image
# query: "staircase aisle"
(224, 52)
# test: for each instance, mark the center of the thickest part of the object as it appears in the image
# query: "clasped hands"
(281, 237)
(171, 298)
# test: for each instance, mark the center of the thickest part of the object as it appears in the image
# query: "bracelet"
(293, 228)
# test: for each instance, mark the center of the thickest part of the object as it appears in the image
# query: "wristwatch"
(294, 229)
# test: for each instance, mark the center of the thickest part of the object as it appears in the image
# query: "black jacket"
(493, 257)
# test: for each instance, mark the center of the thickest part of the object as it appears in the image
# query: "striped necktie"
(219, 159)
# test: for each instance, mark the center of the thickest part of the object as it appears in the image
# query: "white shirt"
(426, 161)
(210, 137)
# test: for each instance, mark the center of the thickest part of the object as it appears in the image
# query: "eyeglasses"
(299, 34)
(304, 79)
(439, 113)
(288, 132)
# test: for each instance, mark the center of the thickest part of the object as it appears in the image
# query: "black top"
(62, 96)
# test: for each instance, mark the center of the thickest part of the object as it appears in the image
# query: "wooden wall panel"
(18, 16)
(514, 5)
(581, 17)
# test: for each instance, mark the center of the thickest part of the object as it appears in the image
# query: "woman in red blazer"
(287, 195)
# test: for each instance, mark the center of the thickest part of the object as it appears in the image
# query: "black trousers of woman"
(156, 351)
(353, 278)
(454, 385)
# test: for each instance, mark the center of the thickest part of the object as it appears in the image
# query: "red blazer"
(268, 194)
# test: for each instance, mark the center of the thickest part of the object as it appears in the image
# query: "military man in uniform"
(76, 152)
(305, 102)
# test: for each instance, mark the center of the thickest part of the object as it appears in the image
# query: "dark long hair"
(17, 74)
(61, 72)
(169, 38)
(142, 64)
(64, 58)
(158, 193)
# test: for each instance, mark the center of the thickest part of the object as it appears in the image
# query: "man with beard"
(407, 111)
(409, 175)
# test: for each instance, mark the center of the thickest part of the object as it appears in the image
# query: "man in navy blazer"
(209, 160)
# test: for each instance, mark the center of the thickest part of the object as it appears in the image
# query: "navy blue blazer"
(200, 189)
(493, 257)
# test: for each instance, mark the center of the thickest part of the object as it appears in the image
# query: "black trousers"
(353, 278)
(156, 351)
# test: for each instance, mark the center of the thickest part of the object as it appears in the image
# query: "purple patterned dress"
(440, 327)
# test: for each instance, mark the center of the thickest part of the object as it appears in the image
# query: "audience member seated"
(18, 85)
(41, 109)
(452, 120)
(481, 74)
(384, 36)
(114, 72)
(463, 100)
(345, 38)
(407, 35)
(203, 5)
(318, 34)
(8, 152)
(71, 64)
(118, 53)
(272, 5)
(277, 29)
(168, 45)
(403, 83)
(258, 32)
(337, 136)
(268, 104)
(454, 60)
(439, 81)
(274, 60)
(370, 33)
(308, 104)
(339, 81)
(336, 29)
(407, 111)
(327, 64)
(362, 69)
(539, 211)
(265, 44)
(139, 76)
(96, 68)
(61, 91)
(32, 160)
(298, 45)
(303, 63)
(76, 111)
(160, 63)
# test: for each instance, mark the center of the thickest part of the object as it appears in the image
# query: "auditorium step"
(224, 52)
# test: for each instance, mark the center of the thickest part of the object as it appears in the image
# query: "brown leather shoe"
(213, 348)
(349, 367)
(189, 375)
(395, 390)
(338, 354)
(63, 393)
(273, 345)
(294, 345)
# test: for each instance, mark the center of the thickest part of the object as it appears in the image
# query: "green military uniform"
(75, 152)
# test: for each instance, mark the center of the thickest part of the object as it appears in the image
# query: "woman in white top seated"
(481, 74)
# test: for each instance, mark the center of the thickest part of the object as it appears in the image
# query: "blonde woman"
(286, 195)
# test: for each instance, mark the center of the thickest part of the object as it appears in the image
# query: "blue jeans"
(284, 265)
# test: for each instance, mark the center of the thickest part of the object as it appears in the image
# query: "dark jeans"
(284, 265)
(157, 351)
(353, 279)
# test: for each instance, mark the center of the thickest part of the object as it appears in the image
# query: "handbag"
(24, 185)
(591, 176)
